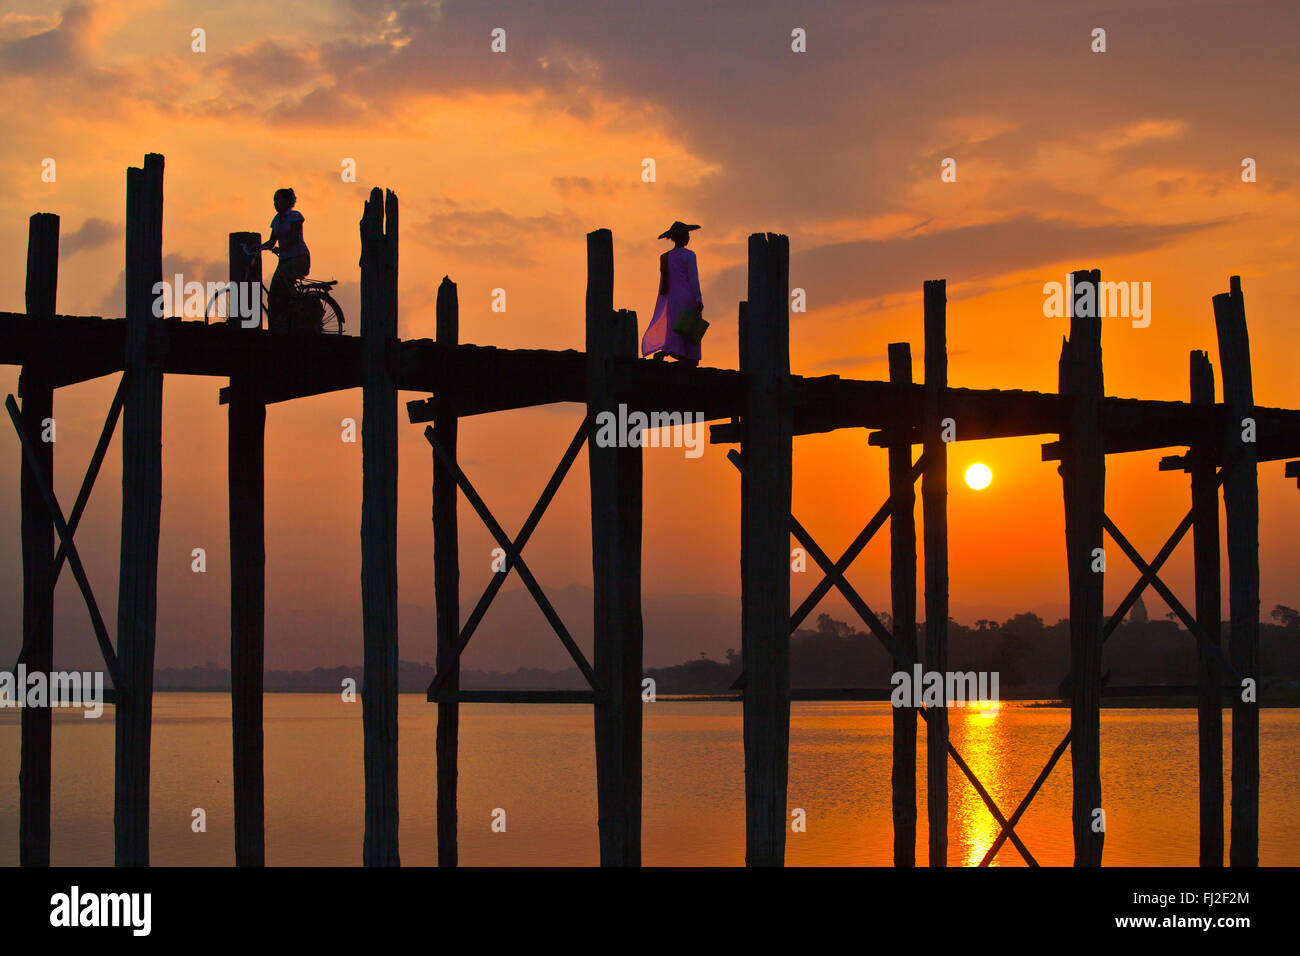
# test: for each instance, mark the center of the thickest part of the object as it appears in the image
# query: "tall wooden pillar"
(446, 581)
(379, 524)
(1241, 506)
(934, 512)
(902, 581)
(37, 394)
(1083, 473)
(137, 596)
(246, 476)
(1205, 546)
(767, 449)
(616, 477)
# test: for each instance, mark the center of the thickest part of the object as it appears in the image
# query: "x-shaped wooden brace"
(835, 577)
(67, 528)
(514, 557)
(850, 555)
(1149, 576)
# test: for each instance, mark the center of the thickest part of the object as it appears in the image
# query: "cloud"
(1144, 131)
(489, 235)
(54, 48)
(193, 270)
(92, 234)
(871, 268)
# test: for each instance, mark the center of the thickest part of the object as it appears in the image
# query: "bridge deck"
(477, 379)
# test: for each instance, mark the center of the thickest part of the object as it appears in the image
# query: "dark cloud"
(871, 268)
(193, 270)
(92, 234)
(56, 48)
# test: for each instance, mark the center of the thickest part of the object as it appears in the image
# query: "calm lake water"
(537, 763)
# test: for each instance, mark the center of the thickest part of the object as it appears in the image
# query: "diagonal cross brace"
(515, 559)
(899, 653)
(79, 506)
(1207, 650)
(67, 544)
(535, 516)
(852, 551)
(850, 555)
(1149, 572)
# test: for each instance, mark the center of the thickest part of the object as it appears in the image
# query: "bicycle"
(309, 297)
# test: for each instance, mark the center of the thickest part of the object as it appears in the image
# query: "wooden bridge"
(760, 408)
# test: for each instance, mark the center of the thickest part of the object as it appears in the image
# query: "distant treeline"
(1030, 656)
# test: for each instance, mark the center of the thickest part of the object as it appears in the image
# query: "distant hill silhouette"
(1030, 656)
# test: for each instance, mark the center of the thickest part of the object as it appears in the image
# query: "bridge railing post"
(37, 394)
(1205, 547)
(137, 597)
(616, 572)
(246, 478)
(379, 525)
(902, 581)
(1241, 508)
(767, 450)
(1083, 473)
(446, 581)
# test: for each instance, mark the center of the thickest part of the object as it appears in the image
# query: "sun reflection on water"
(983, 745)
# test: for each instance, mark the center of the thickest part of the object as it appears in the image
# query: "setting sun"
(978, 476)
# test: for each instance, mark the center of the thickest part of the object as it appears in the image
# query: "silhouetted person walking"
(679, 291)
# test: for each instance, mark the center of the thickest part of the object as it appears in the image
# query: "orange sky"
(1127, 161)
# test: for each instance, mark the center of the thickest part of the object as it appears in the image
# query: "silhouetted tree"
(1287, 617)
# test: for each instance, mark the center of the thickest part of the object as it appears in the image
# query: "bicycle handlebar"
(251, 251)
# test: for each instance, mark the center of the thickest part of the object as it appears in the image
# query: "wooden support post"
(1083, 473)
(934, 513)
(615, 475)
(1205, 546)
(767, 449)
(446, 584)
(246, 475)
(137, 596)
(1241, 506)
(902, 581)
(379, 524)
(37, 394)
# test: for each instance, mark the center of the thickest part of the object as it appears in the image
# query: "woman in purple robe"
(679, 289)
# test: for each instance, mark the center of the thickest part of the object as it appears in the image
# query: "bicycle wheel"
(216, 310)
(332, 320)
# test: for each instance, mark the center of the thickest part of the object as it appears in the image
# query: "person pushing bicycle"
(295, 260)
